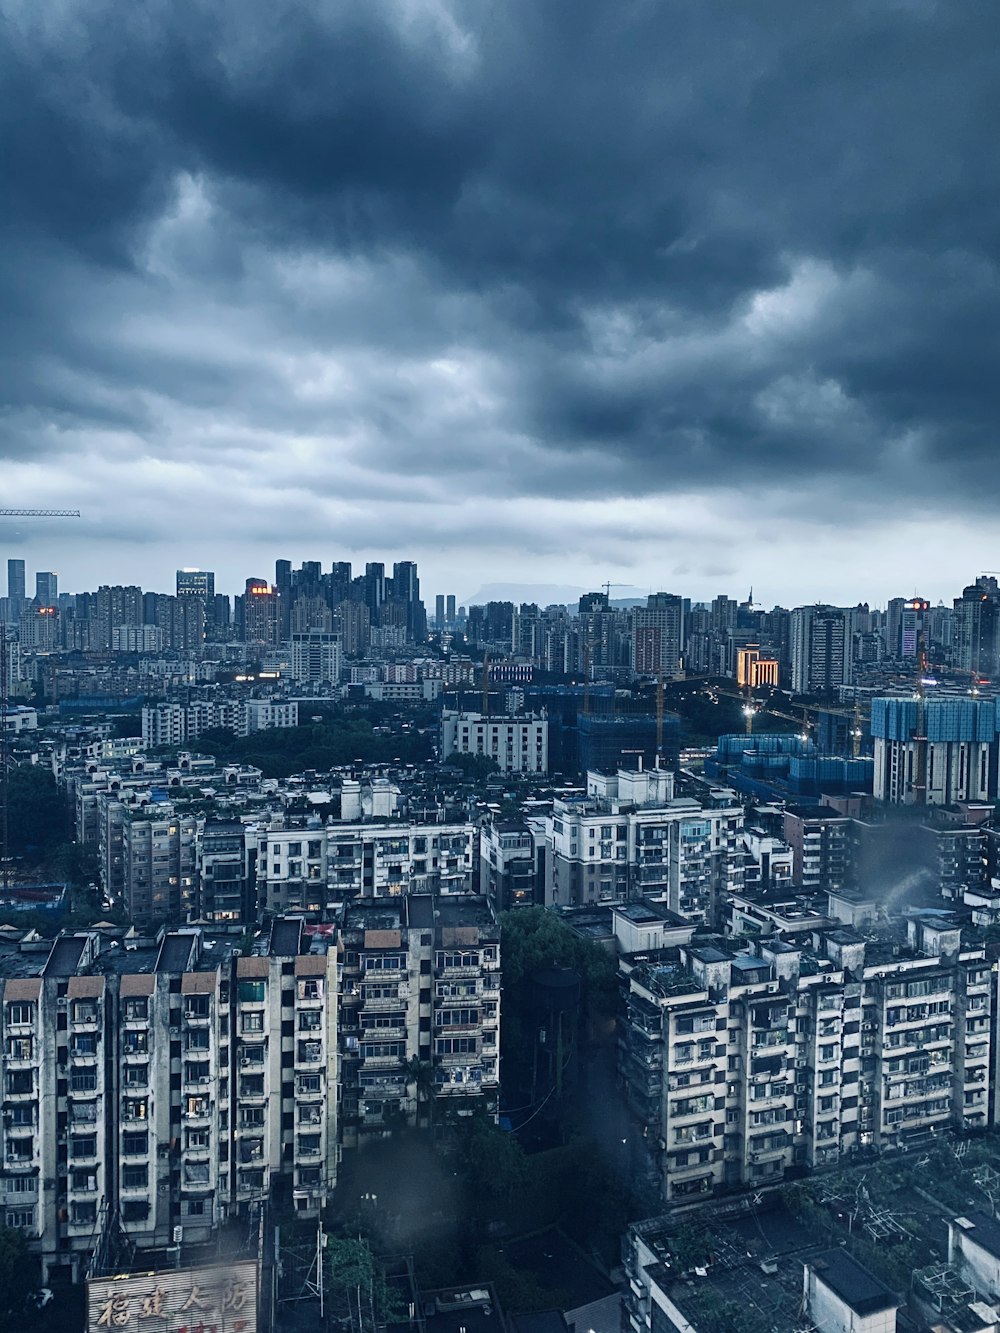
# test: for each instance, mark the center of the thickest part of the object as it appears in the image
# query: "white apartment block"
(517, 744)
(306, 869)
(611, 845)
(173, 724)
(316, 658)
(744, 1061)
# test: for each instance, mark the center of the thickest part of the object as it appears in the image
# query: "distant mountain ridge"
(547, 594)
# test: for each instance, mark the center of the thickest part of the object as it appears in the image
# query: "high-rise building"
(195, 583)
(46, 588)
(316, 657)
(439, 611)
(283, 587)
(449, 610)
(658, 635)
(352, 620)
(976, 628)
(935, 751)
(822, 648)
(260, 621)
(374, 589)
(15, 588)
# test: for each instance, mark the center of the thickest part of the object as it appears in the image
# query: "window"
(136, 1076)
(85, 1043)
(455, 1046)
(19, 1048)
(197, 1138)
(134, 1108)
(252, 992)
(21, 1218)
(135, 1043)
(197, 1006)
(134, 1210)
(135, 1145)
(309, 1145)
(136, 1009)
(86, 1080)
(84, 1214)
(310, 990)
(83, 1180)
(197, 1039)
(84, 1011)
(457, 1017)
(196, 1071)
(82, 1146)
(252, 1022)
(252, 1115)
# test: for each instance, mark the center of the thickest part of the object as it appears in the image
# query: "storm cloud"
(560, 291)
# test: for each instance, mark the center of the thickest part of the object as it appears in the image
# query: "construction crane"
(6, 761)
(608, 586)
(39, 513)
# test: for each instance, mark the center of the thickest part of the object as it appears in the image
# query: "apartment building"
(160, 854)
(313, 868)
(285, 1066)
(821, 844)
(745, 1062)
(630, 837)
(517, 744)
(165, 1082)
(173, 724)
(420, 1020)
(511, 864)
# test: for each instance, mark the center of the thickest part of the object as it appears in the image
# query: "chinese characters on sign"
(193, 1300)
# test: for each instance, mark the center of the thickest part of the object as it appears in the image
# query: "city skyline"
(738, 585)
(596, 293)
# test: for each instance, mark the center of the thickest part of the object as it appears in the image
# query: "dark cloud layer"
(364, 268)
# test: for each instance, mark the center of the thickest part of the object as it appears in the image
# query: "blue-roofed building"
(935, 751)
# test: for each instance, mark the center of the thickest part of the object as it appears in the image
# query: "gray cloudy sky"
(682, 293)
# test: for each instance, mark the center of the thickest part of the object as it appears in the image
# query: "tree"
(37, 813)
(356, 1284)
(16, 1271)
(493, 1162)
(421, 1074)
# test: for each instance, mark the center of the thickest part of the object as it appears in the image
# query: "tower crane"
(39, 513)
(608, 586)
(5, 760)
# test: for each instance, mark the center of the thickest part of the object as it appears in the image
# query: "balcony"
(199, 1116)
(381, 1061)
(18, 1163)
(456, 1058)
(397, 1033)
